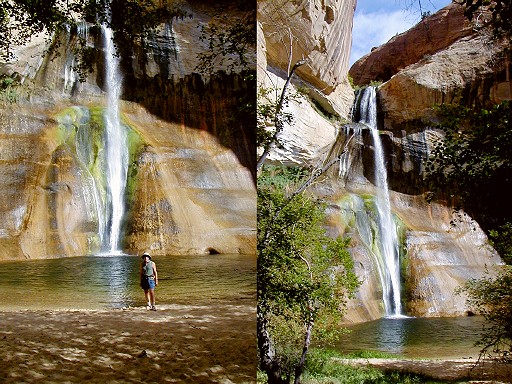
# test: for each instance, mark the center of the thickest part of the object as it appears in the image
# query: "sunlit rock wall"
(191, 182)
(471, 71)
(439, 248)
(430, 35)
(436, 256)
(321, 33)
(190, 194)
(441, 60)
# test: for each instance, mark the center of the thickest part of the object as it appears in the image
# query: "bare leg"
(147, 295)
(152, 296)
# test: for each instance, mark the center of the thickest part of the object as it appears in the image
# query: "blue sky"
(376, 21)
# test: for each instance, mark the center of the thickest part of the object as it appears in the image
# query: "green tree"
(304, 276)
(501, 240)
(474, 161)
(491, 296)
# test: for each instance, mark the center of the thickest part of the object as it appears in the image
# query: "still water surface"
(416, 337)
(94, 282)
(100, 282)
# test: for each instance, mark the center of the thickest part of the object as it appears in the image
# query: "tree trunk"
(307, 341)
(268, 363)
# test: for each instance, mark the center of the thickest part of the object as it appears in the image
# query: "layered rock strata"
(441, 60)
(429, 36)
(191, 182)
(320, 33)
(439, 248)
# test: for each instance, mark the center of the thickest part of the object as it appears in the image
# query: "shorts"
(148, 283)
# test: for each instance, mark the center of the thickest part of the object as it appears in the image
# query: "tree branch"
(277, 118)
(316, 174)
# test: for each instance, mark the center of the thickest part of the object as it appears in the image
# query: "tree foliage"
(304, 276)
(491, 296)
(130, 20)
(231, 37)
(496, 14)
(273, 111)
(501, 240)
(21, 19)
(474, 161)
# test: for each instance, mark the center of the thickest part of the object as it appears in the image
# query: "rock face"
(191, 187)
(438, 248)
(429, 36)
(471, 70)
(438, 258)
(320, 32)
(464, 73)
(439, 61)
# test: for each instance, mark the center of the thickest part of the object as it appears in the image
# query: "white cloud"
(375, 28)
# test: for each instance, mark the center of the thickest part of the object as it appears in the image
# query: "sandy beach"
(214, 343)
(470, 370)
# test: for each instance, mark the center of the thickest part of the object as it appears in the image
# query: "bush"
(8, 88)
(323, 367)
(491, 296)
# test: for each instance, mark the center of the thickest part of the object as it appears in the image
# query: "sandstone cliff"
(441, 60)
(429, 36)
(320, 32)
(191, 182)
(461, 66)
(439, 248)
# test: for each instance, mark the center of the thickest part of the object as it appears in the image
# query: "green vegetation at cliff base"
(323, 366)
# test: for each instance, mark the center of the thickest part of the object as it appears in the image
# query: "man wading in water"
(148, 279)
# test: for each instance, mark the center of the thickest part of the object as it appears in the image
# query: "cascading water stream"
(390, 273)
(116, 156)
(70, 74)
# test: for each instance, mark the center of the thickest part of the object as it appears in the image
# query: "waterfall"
(84, 150)
(116, 153)
(70, 74)
(390, 273)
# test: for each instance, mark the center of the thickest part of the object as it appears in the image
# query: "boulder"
(465, 72)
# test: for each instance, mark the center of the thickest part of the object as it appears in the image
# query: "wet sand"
(214, 343)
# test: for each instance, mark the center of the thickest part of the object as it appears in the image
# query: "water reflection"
(92, 282)
(119, 282)
(416, 337)
(392, 335)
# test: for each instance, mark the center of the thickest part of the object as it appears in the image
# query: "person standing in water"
(148, 279)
